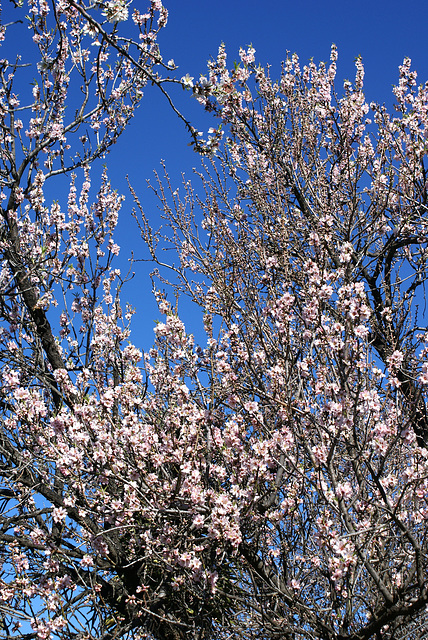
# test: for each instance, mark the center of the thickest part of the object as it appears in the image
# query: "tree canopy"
(268, 478)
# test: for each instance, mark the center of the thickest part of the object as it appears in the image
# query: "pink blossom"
(59, 514)
(395, 360)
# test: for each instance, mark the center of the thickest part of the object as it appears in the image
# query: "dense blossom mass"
(270, 479)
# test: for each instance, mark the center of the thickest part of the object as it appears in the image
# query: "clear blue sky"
(382, 31)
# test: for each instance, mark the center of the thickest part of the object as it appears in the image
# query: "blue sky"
(383, 32)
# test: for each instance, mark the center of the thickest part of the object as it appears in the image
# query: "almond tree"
(270, 482)
(77, 486)
(300, 427)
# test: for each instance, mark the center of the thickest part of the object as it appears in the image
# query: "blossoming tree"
(270, 481)
(70, 552)
(299, 429)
